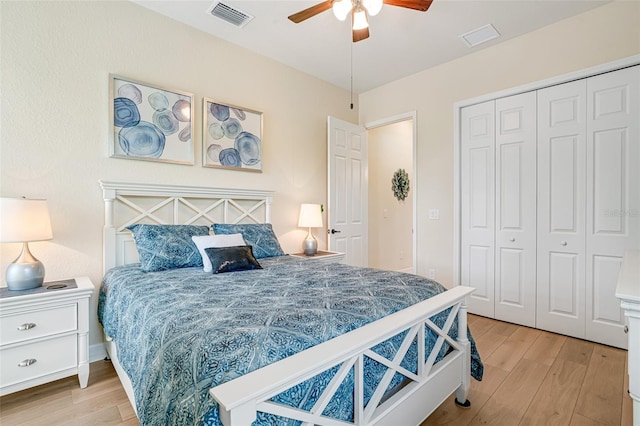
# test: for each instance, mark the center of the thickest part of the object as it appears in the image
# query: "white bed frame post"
(109, 231)
(463, 391)
(241, 416)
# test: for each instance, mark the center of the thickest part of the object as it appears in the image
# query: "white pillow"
(220, 240)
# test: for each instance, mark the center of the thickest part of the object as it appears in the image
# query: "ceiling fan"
(359, 10)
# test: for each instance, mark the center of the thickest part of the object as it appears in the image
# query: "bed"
(294, 342)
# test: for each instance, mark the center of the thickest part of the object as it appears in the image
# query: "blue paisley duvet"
(183, 331)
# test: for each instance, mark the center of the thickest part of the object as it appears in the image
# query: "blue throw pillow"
(258, 235)
(231, 259)
(162, 247)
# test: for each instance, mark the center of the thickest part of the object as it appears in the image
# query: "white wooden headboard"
(127, 203)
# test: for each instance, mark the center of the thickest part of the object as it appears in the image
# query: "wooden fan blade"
(421, 5)
(359, 35)
(310, 12)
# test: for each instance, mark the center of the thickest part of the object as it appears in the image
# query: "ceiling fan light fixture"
(341, 8)
(372, 6)
(360, 20)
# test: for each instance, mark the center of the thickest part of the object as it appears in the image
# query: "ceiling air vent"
(480, 35)
(230, 14)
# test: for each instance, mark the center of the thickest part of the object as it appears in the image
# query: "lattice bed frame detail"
(241, 398)
(252, 206)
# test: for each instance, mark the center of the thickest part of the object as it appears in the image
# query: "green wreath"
(400, 184)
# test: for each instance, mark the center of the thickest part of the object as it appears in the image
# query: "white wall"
(55, 62)
(601, 35)
(390, 220)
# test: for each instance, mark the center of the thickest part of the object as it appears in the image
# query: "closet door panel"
(561, 208)
(515, 281)
(477, 205)
(613, 195)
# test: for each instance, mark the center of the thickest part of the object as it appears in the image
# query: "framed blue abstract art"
(149, 122)
(231, 137)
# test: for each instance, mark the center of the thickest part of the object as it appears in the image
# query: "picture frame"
(231, 136)
(149, 122)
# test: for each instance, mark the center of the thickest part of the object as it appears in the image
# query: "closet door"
(477, 205)
(515, 254)
(613, 195)
(561, 208)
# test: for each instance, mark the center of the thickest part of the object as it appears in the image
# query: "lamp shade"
(310, 216)
(23, 220)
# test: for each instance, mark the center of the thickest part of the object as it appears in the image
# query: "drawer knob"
(563, 243)
(626, 329)
(27, 362)
(26, 326)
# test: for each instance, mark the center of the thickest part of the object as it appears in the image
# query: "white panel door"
(613, 196)
(347, 206)
(561, 208)
(477, 187)
(515, 241)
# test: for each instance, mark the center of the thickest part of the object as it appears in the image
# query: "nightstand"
(323, 256)
(44, 334)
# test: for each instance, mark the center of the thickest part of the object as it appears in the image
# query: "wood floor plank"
(513, 348)
(504, 328)
(576, 350)
(579, 420)
(126, 411)
(600, 398)
(480, 325)
(480, 392)
(488, 343)
(511, 400)
(555, 400)
(546, 348)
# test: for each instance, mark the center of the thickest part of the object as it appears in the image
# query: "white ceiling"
(402, 41)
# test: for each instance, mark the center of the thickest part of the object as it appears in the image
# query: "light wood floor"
(531, 378)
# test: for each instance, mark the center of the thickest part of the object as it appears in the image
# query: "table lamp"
(22, 221)
(310, 217)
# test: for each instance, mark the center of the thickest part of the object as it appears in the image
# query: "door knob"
(333, 231)
(563, 243)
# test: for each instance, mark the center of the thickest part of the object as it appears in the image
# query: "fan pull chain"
(351, 75)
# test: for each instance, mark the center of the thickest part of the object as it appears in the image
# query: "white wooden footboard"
(242, 398)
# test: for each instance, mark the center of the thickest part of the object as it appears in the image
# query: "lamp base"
(26, 272)
(310, 245)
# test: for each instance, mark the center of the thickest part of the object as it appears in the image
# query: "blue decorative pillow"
(258, 235)
(231, 259)
(162, 247)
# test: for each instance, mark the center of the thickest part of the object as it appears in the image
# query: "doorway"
(391, 221)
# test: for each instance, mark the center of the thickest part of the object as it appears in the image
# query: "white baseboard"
(97, 352)
(408, 270)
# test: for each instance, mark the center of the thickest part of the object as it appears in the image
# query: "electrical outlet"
(431, 274)
(434, 214)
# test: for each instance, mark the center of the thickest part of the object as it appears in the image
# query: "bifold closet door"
(561, 208)
(477, 187)
(515, 209)
(613, 196)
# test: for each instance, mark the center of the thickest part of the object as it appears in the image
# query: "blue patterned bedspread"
(183, 331)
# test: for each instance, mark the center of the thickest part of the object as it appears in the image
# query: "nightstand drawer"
(33, 324)
(33, 360)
